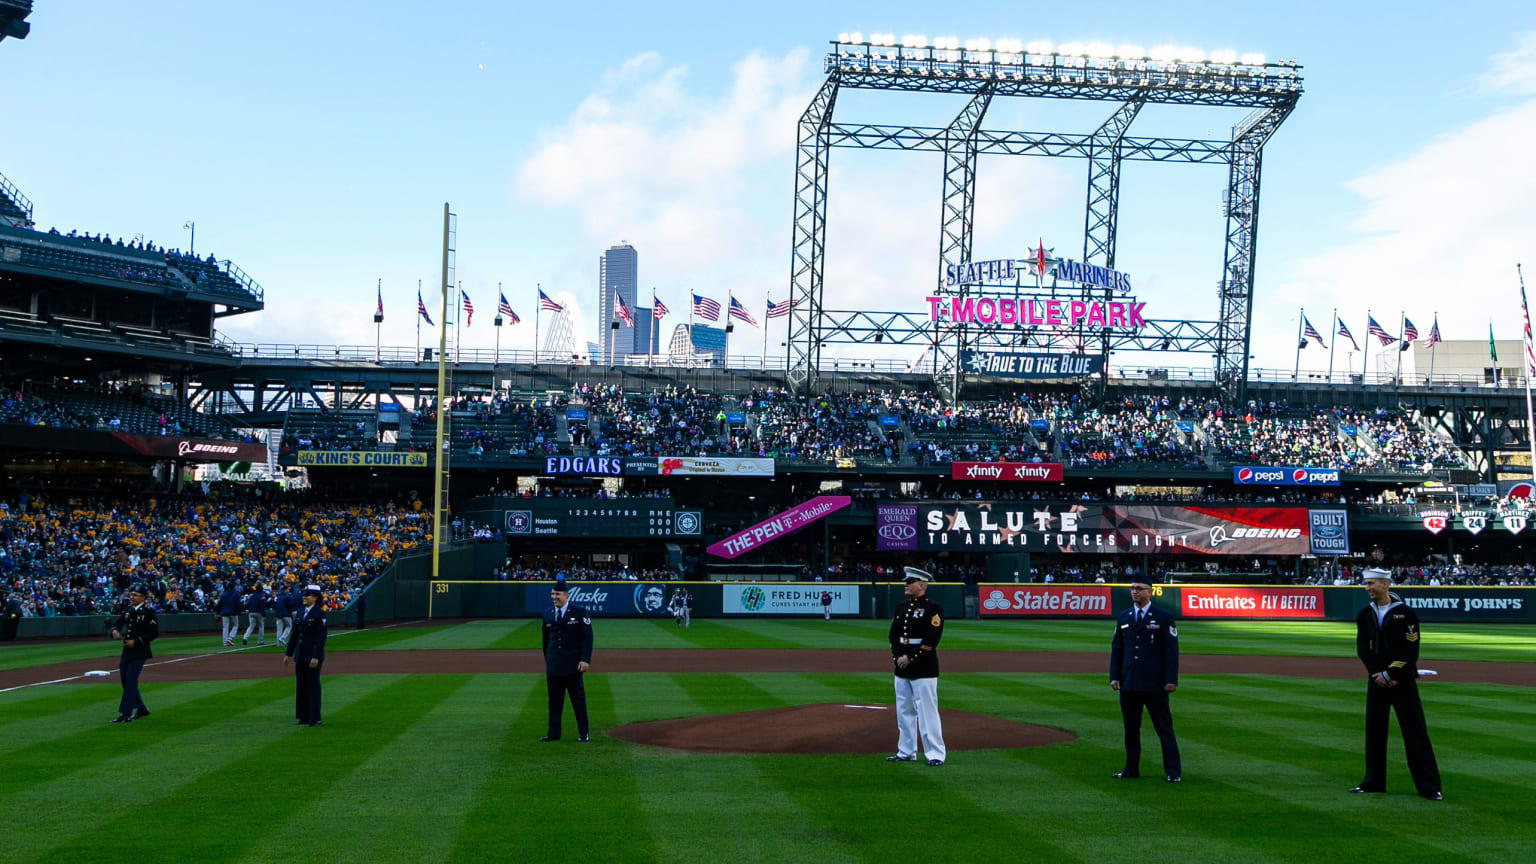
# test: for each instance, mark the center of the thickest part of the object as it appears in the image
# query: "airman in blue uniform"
(306, 650)
(1144, 668)
(567, 655)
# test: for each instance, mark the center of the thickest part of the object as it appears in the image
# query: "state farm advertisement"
(1250, 602)
(1044, 601)
(1102, 529)
(1007, 472)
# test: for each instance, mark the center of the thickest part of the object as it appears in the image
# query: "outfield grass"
(448, 767)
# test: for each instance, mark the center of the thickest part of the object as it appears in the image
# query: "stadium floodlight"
(1130, 52)
(1070, 49)
(1224, 57)
(1164, 53)
(1040, 46)
(1253, 59)
(912, 40)
(1100, 49)
(856, 37)
(1010, 46)
(1191, 55)
(842, 37)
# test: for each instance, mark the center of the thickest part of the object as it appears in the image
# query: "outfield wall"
(457, 599)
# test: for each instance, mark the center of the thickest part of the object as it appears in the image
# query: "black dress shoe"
(300, 723)
(317, 723)
(583, 740)
(550, 738)
(935, 762)
(1359, 789)
(141, 714)
(1172, 779)
(122, 718)
(1122, 775)
(1433, 796)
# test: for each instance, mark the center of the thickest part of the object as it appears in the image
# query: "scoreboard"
(637, 517)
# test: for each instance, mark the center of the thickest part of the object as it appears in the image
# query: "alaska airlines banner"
(1104, 528)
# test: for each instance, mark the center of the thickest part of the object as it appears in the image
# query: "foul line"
(111, 672)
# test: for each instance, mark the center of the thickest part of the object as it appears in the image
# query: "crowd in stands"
(675, 421)
(78, 555)
(831, 426)
(542, 571)
(115, 407)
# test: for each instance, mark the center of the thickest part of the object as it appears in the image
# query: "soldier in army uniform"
(1144, 670)
(1387, 642)
(136, 628)
(915, 631)
(567, 655)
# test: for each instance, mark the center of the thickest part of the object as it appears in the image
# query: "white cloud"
(1514, 71)
(1438, 230)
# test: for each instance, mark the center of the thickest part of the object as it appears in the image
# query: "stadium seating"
(133, 410)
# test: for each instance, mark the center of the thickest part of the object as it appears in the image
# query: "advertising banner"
(789, 521)
(1087, 601)
(700, 466)
(583, 518)
(802, 598)
(639, 598)
(1464, 604)
(1030, 364)
(1007, 472)
(1099, 528)
(1328, 531)
(595, 466)
(362, 459)
(578, 414)
(1283, 475)
(1198, 602)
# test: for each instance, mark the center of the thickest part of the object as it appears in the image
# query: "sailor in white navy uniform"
(1144, 668)
(915, 631)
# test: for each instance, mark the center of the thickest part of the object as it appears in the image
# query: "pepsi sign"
(1255, 475)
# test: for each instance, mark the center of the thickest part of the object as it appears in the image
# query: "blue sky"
(314, 144)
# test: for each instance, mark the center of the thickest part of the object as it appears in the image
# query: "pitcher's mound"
(839, 728)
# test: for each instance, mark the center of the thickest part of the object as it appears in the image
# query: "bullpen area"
(756, 740)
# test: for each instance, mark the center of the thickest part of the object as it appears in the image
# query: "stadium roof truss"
(984, 72)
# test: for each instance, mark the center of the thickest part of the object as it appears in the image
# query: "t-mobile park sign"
(789, 521)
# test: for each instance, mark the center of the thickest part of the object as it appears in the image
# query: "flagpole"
(1296, 372)
(1335, 337)
(1365, 353)
(725, 359)
(458, 333)
(1529, 414)
(378, 323)
(1433, 344)
(763, 367)
(1402, 330)
(417, 358)
(689, 360)
(496, 355)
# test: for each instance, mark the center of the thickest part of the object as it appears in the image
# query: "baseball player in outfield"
(915, 631)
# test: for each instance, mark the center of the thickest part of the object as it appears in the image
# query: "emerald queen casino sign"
(1125, 314)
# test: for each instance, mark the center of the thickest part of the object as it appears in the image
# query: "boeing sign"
(1258, 475)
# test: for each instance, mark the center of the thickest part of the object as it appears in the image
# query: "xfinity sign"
(1257, 475)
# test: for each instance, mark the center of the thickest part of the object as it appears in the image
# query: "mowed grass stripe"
(469, 635)
(584, 783)
(638, 698)
(34, 756)
(405, 801)
(157, 761)
(44, 703)
(214, 813)
(512, 783)
(726, 694)
(918, 813)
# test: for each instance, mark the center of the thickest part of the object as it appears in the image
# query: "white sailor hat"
(1377, 573)
(312, 589)
(915, 574)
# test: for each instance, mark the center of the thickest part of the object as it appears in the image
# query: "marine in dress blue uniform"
(306, 650)
(1387, 642)
(136, 627)
(1144, 668)
(567, 655)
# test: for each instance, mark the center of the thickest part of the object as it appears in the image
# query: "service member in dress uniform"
(567, 654)
(1144, 668)
(1387, 640)
(136, 628)
(915, 631)
(306, 650)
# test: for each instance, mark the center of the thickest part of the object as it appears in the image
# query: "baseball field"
(430, 750)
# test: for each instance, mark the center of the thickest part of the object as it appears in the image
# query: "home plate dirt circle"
(831, 728)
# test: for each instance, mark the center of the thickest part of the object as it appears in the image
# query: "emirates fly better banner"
(1110, 528)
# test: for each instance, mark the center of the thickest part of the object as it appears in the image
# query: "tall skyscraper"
(618, 270)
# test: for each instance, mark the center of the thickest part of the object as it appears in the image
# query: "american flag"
(421, 309)
(1344, 331)
(1530, 348)
(622, 311)
(740, 313)
(1434, 334)
(780, 310)
(379, 310)
(1410, 333)
(547, 304)
(1374, 329)
(506, 309)
(706, 308)
(469, 308)
(658, 308)
(1310, 332)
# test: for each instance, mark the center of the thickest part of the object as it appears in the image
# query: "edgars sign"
(604, 466)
